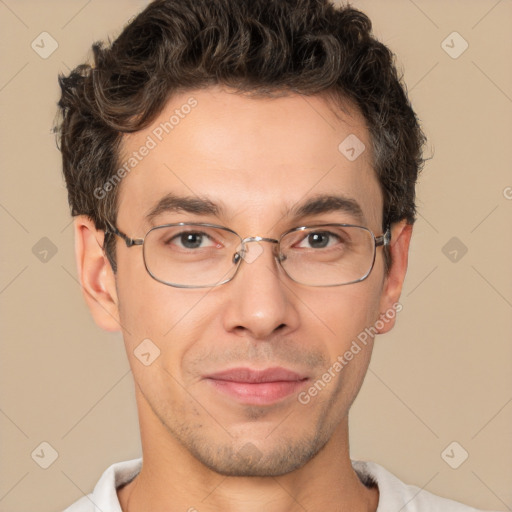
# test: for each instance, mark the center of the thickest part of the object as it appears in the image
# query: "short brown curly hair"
(259, 47)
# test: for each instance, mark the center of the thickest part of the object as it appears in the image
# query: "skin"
(282, 151)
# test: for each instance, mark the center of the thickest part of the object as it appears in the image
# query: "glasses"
(202, 255)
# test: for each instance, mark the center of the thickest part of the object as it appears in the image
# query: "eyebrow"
(317, 205)
(326, 203)
(174, 203)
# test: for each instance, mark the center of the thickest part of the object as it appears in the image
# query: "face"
(236, 363)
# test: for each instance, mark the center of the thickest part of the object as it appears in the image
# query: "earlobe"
(393, 282)
(95, 274)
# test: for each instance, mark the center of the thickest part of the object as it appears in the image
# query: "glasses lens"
(190, 255)
(328, 255)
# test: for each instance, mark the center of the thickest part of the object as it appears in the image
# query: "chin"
(250, 460)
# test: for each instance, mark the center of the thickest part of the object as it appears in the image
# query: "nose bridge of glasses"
(241, 250)
(259, 239)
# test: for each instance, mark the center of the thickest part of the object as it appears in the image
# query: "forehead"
(256, 158)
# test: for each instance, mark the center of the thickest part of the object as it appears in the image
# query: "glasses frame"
(381, 240)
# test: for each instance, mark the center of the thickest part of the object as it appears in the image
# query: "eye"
(320, 239)
(192, 240)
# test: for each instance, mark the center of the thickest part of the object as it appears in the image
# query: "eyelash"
(179, 236)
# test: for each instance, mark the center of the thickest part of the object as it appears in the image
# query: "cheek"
(169, 317)
(346, 311)
(344, 314)
(143, 305)
(350, 312)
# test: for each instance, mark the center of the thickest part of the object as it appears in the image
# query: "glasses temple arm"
(383, 239)
(129, 241)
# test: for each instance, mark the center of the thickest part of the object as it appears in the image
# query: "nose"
(260, 301)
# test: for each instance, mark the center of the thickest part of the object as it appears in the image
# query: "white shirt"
(394, 495)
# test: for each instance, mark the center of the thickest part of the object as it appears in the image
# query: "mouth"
(257, 387)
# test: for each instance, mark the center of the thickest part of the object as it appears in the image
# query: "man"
(242, 176)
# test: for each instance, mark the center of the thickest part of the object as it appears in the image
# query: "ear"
(95, 274)
(392, 288)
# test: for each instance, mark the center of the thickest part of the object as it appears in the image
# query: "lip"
(257, 387)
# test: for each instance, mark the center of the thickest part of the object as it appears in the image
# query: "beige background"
(442, 375)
